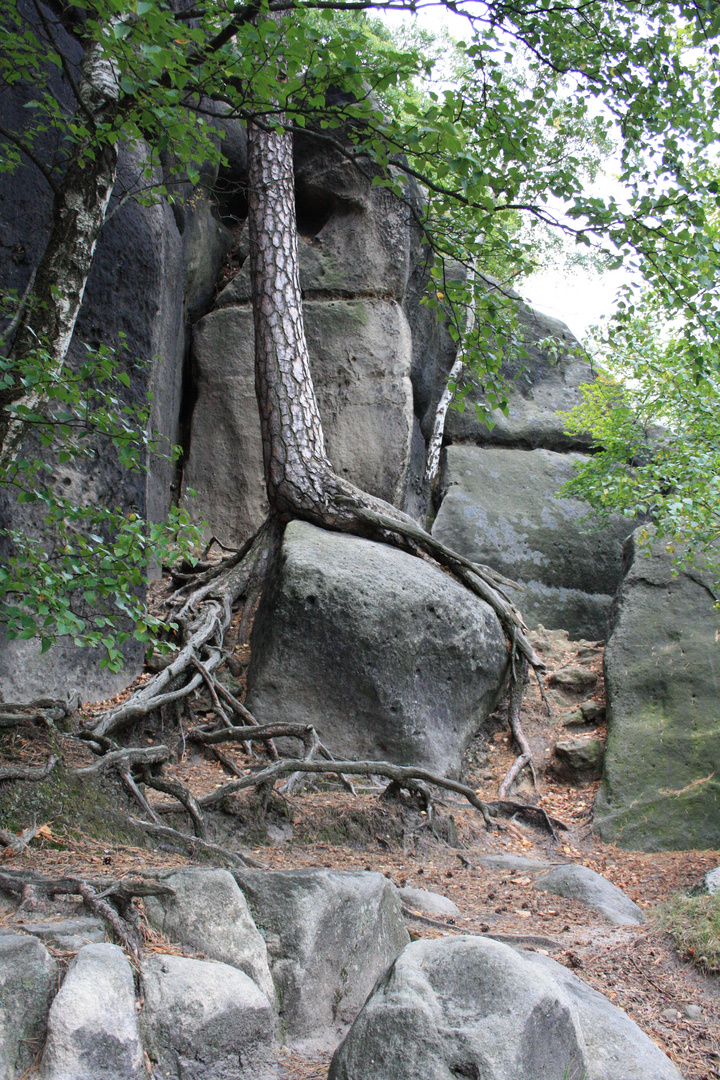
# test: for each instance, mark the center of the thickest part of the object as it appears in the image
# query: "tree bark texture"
(296, 463)
(79, 210)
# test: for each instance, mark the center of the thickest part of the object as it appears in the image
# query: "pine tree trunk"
(296, 464)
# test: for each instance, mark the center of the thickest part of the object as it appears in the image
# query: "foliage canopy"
(510, 132)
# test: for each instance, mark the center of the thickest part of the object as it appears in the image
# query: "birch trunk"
(79, 209)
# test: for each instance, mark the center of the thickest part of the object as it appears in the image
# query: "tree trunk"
(79, 210)
(296, 465)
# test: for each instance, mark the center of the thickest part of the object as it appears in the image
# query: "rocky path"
(490, 876)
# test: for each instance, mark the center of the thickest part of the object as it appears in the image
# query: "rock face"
(537, 397)
(500, 509)
(592, 889)
(360, 360)
(331, 934)
(204, 1021)
(209, 913)
(135, 289)
(661, 784)
(93, 1031)
(472, 1007)
(28, 979)
(386, 656)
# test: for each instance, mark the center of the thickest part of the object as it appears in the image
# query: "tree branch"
(29, 153)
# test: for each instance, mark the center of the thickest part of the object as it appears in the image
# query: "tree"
(654, 415)
(483, 152)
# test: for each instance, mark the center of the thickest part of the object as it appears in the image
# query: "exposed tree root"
(46, 711)
(535, 814)
(203, 607)
(28, 886)
(29, 772)
(525, 757)
(351, 768)
(184, 796)
(204, 613)
(194, 843)
(16, 843)
(122, 760)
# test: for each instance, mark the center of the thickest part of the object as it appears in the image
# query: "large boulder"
(28, 980)
(661, 783)
(204, 1021)
(93, 1031)
(360, 361)
(475, 1008)
(330, 935)
(208, 912)
(385, 655)
(500, 508)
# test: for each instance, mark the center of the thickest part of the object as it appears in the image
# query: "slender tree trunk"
(296, 464)
(432, 464)
(79, 210)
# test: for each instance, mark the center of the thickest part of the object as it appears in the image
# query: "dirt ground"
(325, 826)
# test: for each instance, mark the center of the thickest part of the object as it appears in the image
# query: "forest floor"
(635, 967)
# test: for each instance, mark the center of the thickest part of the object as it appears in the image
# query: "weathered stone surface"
(330, 934)
(28, 979)
(708, 885)
(204, 1021)
(580, 758)
(574, 678)
(472, 1007)
(360, 360)
(585, 885)
(361, 231)
(135, 289)
(590, 712)
(431, 903)
(224, 465)
(385, 655)
(661, 784)
(514, 862)
(68, 934)
(206, 242)
(593, 711)
(539, 395)
(93, 1031)
(209, 913)
(500, 509)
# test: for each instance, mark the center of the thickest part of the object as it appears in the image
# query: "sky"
(579, 298)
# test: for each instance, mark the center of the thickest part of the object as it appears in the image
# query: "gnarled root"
(96, 895)
(525, 757)
(204, 613)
